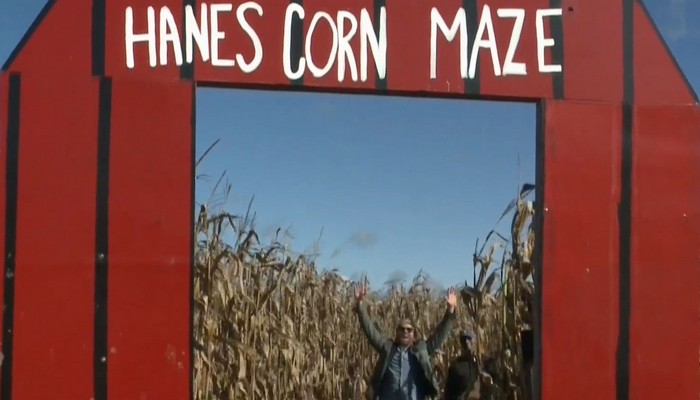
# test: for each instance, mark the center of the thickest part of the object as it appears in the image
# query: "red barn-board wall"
(97, 160)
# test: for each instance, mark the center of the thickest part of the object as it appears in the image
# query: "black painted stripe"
(101, 354)
(380, 83)
(472, 86)
(557, 28)
(99, 20)
(11, 189)
(625, 206)
(193, 158)
(32, 28)
(297, 45)
(539, 243)
(187, 69)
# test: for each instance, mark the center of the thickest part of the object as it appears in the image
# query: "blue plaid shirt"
(400, 382)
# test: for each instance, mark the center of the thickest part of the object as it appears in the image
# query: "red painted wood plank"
(665, 280)
(535, 84)
(150, 228)
(409, 48)
(593, 50)
(54, 278)
(580, 262)
(658, 80)
(268, 29)
(145, 49)
(61, 43)
(326, 49)
(582, 179)
(4, 105)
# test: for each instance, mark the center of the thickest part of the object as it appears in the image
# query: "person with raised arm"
(404, 370)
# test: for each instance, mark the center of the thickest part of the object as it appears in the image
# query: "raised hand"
(360, 292)
(451, 299)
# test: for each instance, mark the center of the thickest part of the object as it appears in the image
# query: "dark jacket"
(462, 377)
(423, 350)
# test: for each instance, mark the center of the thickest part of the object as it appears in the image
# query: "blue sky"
(396, 184)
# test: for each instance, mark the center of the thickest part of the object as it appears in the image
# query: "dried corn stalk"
(271, 326)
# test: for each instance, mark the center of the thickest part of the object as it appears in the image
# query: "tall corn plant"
(500, 299)
(271, 325)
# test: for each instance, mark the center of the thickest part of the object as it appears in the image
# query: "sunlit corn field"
(270, 325)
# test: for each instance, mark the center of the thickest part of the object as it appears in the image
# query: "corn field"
(268, 325)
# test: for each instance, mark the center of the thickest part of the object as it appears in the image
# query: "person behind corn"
(404, 370)
(463, 374)
(466, 379)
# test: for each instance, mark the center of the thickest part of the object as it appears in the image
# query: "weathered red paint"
(599, 77)
(655, 82)
(4, 100)
(665, 253)
(54, 276)
(114, 39)
(149, 249)
(272, 43)
(537, 85)
(603, 109)
(581, 253)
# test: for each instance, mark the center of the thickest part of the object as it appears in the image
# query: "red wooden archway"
(97, 179)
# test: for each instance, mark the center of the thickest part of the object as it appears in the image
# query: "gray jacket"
(423, 349)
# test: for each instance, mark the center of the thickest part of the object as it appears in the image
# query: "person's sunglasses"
(404, 329)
